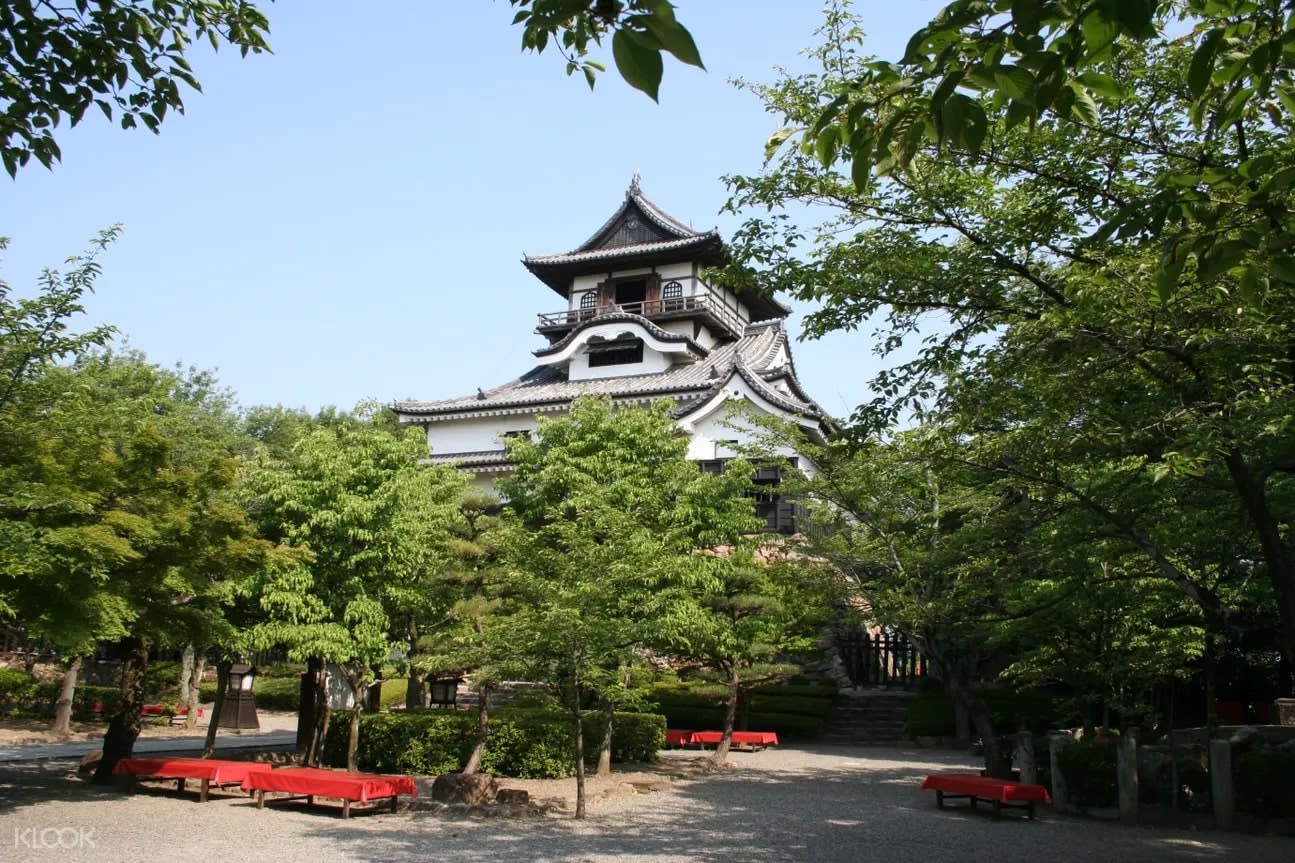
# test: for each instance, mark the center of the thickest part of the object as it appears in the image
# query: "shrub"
(1088, 767)
(795, 711)
(1264, 782)
(524, 743)
(270, 693)
(18, 688)
(931, 715)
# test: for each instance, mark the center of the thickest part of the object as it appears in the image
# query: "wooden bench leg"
(1029, 809)
(939, 799)
(346, 809)
(998, 810)
(202, 793)
(260, 799)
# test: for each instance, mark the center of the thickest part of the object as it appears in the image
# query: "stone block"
(470, 789)
(513, 796)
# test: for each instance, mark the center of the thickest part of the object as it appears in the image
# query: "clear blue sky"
(344, 219)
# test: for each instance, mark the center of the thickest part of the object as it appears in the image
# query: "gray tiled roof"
(634, 197)
(580, 256)
(750, 357)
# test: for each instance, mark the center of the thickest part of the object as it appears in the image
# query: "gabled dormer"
(645, 263)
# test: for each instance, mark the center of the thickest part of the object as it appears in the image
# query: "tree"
(1055, 354)
(641, 31)
(744, 611)
(127, 57)
(450, 620)
(370, 522)
(119, 518)
(34, 331)
(1220, 203)
(605, 517)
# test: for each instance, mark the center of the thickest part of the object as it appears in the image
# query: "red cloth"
(741, 738)
(677, 737)
(360, 787)
(214, 769)
(985, 788)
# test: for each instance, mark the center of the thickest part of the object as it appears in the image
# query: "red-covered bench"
(743, 739)
(213, 772)
(312, 782)
(1002, 793)
(181, 711)
(678, 737)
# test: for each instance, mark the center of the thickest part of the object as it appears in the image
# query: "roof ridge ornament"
(634, 186)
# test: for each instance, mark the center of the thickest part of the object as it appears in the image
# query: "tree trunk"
(353, 743)
(311, 681)
(414, 689)
(66, 694)
(358, 693)
(193, 697)
(483, 729)
(186, 677)
(323, 713)
(1276, 552)
(123, 729)
(580, 755)
(720, 754)
(605, 746)
(213, 722)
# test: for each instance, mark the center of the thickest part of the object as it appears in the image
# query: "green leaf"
(1282, 268)
(1202, 66)
(1103, 85)
(1026, 16)
(674, 38)
(1083, 107)
(1099, 32)
(1016, 82)
(1171, 267)
(640, 66)
(1219, 258)
(1286, 94)
(776, 140)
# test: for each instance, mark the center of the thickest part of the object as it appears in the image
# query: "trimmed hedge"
(791, 710)
(18, 689)
(523, 743)
(22, 693)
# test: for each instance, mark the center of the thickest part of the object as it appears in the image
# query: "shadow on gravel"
(31, 783)
(837, 808)
(810, 805)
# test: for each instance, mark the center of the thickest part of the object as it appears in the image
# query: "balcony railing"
(663, 308)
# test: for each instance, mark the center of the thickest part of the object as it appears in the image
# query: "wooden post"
(1024, 758)
(1126, 769)
(1221, 792)
(1060, 799)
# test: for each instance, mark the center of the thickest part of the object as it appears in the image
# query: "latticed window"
(672, 296)
(588, 303)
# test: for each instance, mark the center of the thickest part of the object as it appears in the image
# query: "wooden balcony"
(556, 324)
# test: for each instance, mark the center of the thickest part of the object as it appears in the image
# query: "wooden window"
(672, 296)
(616, 353)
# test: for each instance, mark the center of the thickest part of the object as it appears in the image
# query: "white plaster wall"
(710, 436)
(474, 435)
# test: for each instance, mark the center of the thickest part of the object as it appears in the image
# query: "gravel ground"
(829, 804)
